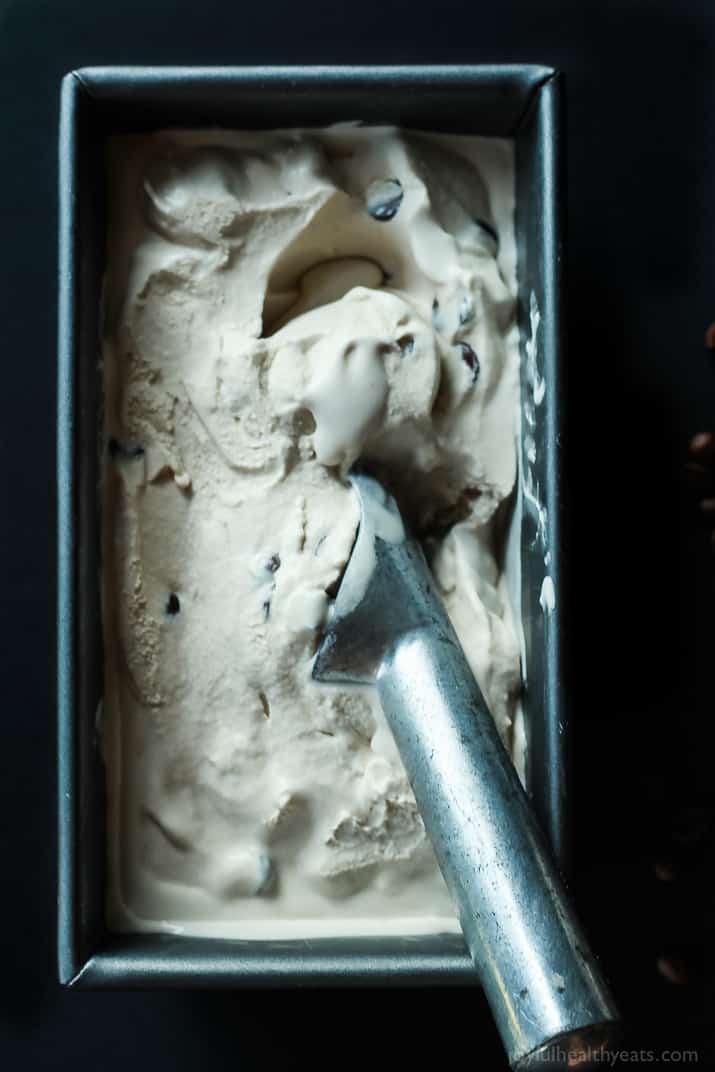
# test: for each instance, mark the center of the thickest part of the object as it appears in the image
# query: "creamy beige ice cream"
(278, 305)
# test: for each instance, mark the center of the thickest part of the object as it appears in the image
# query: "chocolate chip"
(470, 359)
(383, 198)
(466, 311)
(488, 230)
(173, 606)
(274, 563)
(127, 451)
(266, 610)
(407, 345)
(437, 322)
(268, 879)
(304, 422)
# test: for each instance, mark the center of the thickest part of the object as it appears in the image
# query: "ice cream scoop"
(388, 628)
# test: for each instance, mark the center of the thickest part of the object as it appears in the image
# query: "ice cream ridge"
(277, 306)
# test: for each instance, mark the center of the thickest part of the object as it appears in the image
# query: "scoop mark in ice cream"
(383, 198)
(321, 284)
(347, 399)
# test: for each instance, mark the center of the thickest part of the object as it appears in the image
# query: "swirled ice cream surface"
(277, 306)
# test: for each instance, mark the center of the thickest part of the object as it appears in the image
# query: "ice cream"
(277, 306)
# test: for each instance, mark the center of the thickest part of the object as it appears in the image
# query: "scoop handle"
(547, 995)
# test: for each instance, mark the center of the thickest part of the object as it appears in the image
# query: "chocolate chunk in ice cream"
(383, 198)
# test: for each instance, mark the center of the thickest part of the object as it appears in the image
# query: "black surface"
(641, 156)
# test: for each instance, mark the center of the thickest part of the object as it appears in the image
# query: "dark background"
(641, 225)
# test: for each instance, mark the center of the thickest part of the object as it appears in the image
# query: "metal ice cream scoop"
(389, 628)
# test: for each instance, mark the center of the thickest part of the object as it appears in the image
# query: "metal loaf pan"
(523, 102)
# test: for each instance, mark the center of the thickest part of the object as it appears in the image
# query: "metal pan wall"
(523, 102)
